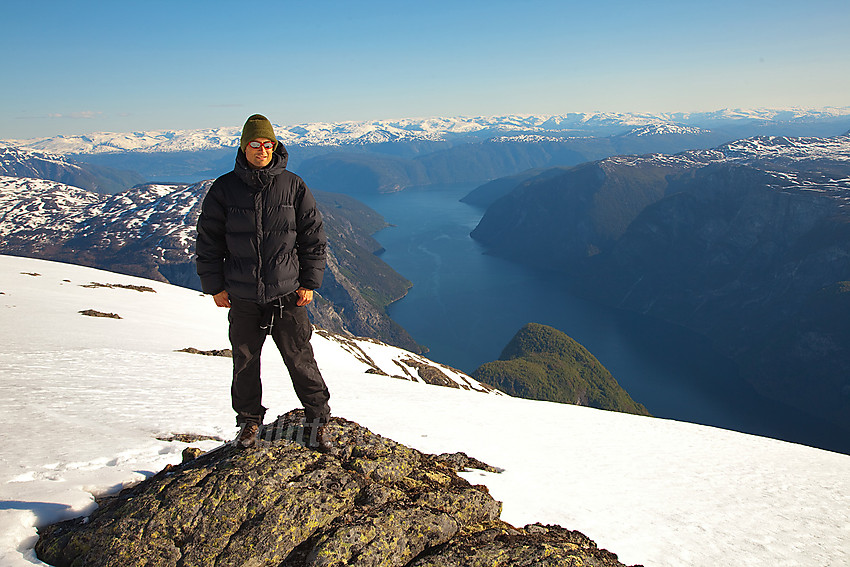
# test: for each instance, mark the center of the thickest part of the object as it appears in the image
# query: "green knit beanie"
(257, 126)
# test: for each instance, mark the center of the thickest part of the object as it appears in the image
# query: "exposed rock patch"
(191, 453)
(226, 352)
(462, 462)
(188, 437)
(504, 546)
(120, 286)
(368, 502)
(406, 365)
(95, 313)
(430, 374)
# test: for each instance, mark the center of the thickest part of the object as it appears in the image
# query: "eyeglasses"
(257, 145)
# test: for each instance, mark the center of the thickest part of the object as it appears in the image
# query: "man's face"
(259, 158)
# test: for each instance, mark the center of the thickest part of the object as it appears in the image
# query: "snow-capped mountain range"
(760, 149)
(161, 218)
(784, 147)
(150, 229)
(89, 405)
(665, 129)
(797, 164)
(426, 129)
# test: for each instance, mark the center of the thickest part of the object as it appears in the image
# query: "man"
(261, 252)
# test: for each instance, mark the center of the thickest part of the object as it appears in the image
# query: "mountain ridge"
(149, 231)
(774, 154)
(22, 162)
(731, 242)
(430, 129)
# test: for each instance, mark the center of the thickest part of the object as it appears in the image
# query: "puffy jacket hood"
(260, 178)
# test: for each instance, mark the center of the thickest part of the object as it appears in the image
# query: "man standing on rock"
(261, 252)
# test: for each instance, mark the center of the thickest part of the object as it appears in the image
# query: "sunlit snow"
(84, 399)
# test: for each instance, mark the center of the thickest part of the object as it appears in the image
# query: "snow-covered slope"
(759, 149)
(791, 148)
(409, 129)
(796, 164)
(36, 213)
(85, 398)
(41, 209)
(21, 162)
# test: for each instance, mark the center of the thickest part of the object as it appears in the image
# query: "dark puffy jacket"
(260, 234)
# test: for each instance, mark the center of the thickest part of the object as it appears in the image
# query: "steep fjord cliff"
(747, 244)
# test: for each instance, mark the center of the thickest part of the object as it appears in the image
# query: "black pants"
(291, 331)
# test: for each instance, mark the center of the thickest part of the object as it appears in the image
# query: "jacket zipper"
(261, 286)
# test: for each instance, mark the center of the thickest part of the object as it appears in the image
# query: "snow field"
(84, 398)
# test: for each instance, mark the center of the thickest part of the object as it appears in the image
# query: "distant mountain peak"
(17, 155)
(425, 129)
(663, 129)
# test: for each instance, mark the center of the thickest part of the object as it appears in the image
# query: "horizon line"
(841, 111)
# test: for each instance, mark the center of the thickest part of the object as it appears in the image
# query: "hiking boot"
(322, 444)
(315, 438)
(248, 435)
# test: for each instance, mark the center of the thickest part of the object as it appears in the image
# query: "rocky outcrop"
(503, 546)
(368, 502)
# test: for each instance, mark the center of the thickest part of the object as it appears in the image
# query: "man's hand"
(221, 299)
(305, 296)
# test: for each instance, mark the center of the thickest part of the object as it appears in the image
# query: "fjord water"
(466, 305)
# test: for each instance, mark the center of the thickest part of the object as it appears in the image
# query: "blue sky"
(81, 67)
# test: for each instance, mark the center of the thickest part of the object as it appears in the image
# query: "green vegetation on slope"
(543, 363)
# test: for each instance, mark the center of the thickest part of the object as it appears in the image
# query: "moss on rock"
(368, 502)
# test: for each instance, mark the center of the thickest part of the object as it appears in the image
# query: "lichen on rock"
(368, 502)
